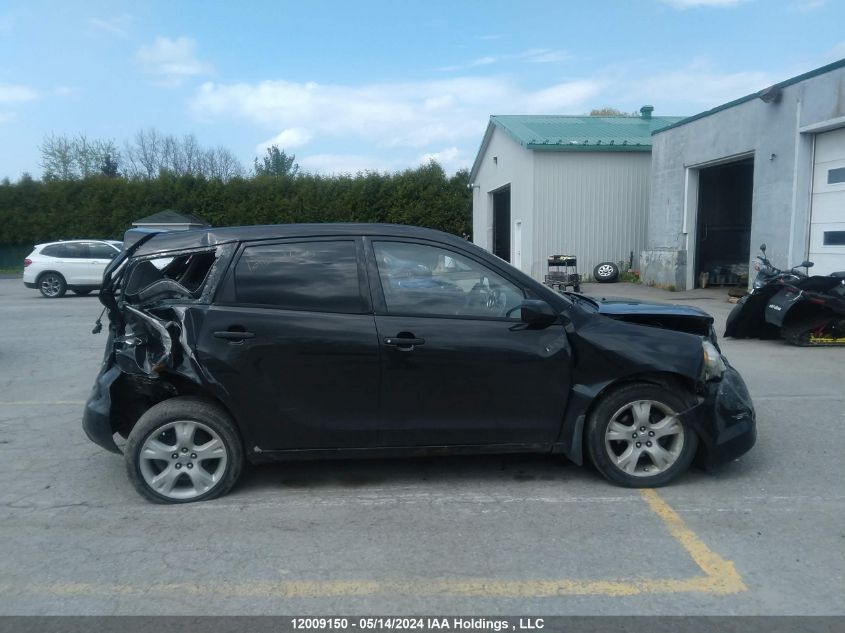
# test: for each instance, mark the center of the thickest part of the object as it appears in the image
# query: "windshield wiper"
(582, 298)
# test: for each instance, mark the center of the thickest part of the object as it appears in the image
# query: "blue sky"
(355, 85)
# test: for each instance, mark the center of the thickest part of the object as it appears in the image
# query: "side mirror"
(763, 248)
(806, 264)
(536, 312)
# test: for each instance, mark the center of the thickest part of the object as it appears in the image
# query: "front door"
(458, 368)
(292, 340)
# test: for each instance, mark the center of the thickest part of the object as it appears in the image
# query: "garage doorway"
(723, 226)
(502, 223)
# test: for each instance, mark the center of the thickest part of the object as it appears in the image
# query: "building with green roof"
(558, 184)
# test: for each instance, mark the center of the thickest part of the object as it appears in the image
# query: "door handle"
(404, 343)
(233, 335)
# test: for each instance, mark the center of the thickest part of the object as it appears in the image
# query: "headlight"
(714, 364)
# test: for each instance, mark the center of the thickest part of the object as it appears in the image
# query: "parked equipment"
(563, 272)
(804, 310)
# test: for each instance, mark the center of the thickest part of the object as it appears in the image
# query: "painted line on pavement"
(719, 578)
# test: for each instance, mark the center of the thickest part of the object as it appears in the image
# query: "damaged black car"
(287, 342)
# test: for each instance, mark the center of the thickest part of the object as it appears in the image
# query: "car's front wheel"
(636, 438)
(52, 285)
(184, 449)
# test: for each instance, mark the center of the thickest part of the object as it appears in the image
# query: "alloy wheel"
(183, 459)
(51, 285)
(644, 438)
(605, 270)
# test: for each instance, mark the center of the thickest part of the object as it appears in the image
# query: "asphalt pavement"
(509, 535)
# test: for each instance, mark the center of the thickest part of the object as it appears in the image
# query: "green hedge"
(98, 207)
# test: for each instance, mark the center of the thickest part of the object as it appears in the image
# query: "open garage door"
(827, 220)
(502, 223)
(723, 233)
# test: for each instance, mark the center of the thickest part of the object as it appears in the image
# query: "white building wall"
(590, 204)
(513, 165)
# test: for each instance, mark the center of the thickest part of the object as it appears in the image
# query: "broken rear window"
(180, 276)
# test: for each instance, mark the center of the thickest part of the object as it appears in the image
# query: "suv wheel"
(636, 438)
(184, 449)
(52, 285)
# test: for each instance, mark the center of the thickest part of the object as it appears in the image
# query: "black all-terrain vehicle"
(804, 310)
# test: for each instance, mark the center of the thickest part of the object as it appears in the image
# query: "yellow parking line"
(721, 573)
(720, 578)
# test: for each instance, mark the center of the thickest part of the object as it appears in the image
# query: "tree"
(609, 111)
(57, 158)
(110, 165)
(276, 163)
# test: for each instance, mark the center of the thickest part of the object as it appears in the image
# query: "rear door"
(74, 263)
(291, 338)
(458, 367)
(100, 254)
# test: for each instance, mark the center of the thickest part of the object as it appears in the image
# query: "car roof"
(111, 242)
(179, 240)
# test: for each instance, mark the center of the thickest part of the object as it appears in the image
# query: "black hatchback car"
(345, 340)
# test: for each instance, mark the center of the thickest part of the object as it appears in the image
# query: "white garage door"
(827, 224)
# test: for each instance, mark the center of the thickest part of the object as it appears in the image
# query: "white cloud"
(413, 115)
(290, 138)
(691, 4)
(16, 93)
(171, 61)
(117, 25)
(544, 56)
(698, 84)
(532, 55)
(347, 163)
(810, 5)
(450, 158)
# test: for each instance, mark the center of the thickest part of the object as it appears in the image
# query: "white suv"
(77, 265)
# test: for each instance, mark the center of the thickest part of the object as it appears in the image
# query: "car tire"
(51, 285)
(606, 273)
(166, 457)
(666, 448)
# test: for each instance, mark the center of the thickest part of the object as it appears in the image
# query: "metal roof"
(562, 133)
(567, 133)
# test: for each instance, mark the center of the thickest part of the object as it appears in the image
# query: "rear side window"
(76, 250)
(101, 251)
(54, 250)
(312, 276)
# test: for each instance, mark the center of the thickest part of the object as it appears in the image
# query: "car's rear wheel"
(636, 438)
(52, 285)
(184, 449)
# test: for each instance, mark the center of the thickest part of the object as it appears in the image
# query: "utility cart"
(563, 273)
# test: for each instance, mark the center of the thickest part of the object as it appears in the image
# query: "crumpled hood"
(663, 315)
(620, 305)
